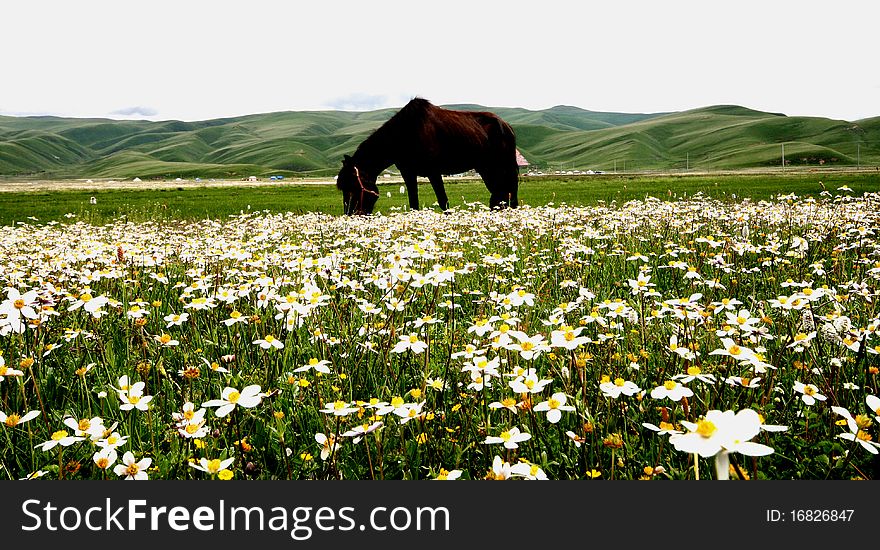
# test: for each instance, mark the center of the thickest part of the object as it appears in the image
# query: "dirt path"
(24, 185)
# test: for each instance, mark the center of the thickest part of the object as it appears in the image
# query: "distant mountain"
(312, 143)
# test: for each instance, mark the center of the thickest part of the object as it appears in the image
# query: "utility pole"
(783, 157)
(687, 162)
(858, 155)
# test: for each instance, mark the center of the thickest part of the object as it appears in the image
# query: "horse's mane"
(416, 107)
(413, 111)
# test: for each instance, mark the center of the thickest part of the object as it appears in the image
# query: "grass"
(194, 203)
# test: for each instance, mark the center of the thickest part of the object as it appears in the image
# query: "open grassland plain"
(674, 333)
(105, 202)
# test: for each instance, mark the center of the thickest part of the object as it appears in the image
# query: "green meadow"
(671, 332)
(193, 203)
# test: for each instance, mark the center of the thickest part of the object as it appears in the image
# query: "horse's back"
(461, 140)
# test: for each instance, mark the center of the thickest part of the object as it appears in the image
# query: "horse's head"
(359, 191)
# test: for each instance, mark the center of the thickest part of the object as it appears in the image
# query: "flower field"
(655, 339)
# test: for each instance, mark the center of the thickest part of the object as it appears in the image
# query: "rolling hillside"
(312, 143)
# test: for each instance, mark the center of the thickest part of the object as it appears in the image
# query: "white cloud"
(137, 111)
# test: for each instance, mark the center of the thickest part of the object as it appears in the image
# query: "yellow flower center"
(505, 435)
(59, 435)
(132, 469)
(670, 385)
(18, 303)
(735, 350)
(102, 462)
(527, 346)
(553, 403)
(214, 466)
(706, 428)
(509, 402)
(809, 390)
(192, 428)
(694, 370)
(233, 397)
(619, 382)
(84, 425)
(165, 338)
(12, 420)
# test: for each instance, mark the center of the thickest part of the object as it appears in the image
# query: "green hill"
(311, 143)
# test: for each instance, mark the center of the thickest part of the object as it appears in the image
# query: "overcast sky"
(195, 60)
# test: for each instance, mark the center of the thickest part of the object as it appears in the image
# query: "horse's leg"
(497, 197)
(513, 187)
(412, 189)
(439, 191)
(503, 184)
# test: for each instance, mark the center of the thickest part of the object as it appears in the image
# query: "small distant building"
(136, 180)
(252, 178)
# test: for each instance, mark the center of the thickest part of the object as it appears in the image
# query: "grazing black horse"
(424, 140)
